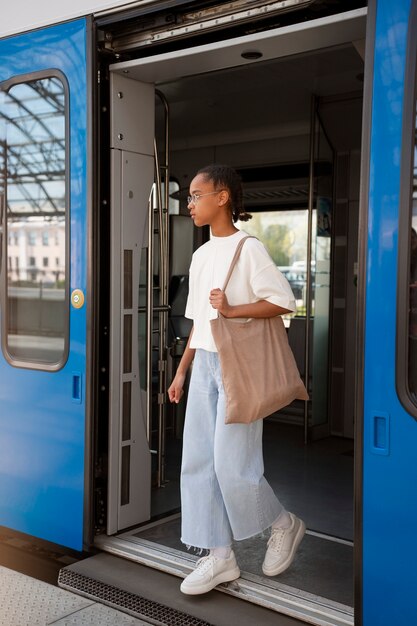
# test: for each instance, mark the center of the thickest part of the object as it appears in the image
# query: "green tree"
(278, 242)
(277, 238)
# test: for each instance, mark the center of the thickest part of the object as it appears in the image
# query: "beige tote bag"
(259, 371)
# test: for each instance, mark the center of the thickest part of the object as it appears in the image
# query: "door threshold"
(268, 593)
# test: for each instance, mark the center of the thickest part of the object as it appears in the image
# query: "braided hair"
(224, 176)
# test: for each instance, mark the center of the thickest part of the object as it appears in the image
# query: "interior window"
(34, 197)
(284, 234)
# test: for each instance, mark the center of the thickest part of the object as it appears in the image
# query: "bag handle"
(235, 259)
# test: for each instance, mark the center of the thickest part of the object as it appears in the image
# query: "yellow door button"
(77, 298)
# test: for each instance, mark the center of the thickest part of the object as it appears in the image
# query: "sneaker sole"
(285, 564)
(224, 577)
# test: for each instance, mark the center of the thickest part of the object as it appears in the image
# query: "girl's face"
(208, 204)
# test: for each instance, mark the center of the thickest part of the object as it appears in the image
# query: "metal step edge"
(135, 605)
(272, 595)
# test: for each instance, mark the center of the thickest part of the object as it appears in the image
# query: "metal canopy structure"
(32, 156)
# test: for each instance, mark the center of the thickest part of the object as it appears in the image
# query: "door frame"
(153, 66)
(360, 311)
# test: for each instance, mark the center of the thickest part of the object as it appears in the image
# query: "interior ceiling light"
(251, 55)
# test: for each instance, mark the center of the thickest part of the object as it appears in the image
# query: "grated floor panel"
(159, 614)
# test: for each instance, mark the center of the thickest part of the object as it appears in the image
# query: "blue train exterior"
(389, 474)
(43, 442)
(45, 412)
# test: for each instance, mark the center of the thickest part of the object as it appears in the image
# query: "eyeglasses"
(195, 197)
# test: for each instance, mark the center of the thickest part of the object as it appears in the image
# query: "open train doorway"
(291, 126)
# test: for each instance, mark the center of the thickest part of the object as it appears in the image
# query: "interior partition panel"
(132, 159)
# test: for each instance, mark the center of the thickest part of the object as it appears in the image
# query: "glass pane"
(412, 330)
(284, 234)
(320, 265)
(32, 162)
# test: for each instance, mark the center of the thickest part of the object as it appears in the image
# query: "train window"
(412, 326)
(406, 370)
(33, 157)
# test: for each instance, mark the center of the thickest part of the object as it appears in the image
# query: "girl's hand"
(175, 390)
(219, 301)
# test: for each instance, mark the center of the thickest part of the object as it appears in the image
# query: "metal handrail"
(309, 248)
(156, 309)
(149, 320)
(163, 308)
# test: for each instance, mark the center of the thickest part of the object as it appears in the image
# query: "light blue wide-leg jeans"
(224, 494)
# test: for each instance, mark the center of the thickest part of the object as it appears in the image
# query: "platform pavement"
(26, 601)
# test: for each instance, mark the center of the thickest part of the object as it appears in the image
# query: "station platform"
(26, 601)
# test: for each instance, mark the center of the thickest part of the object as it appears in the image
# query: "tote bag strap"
(235, 259)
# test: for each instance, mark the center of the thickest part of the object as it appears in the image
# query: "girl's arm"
(262, 308)
(175, 390)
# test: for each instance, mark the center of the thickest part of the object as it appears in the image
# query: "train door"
(44, 200)
(387, 573)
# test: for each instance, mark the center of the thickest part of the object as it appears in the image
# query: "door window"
(33, 173)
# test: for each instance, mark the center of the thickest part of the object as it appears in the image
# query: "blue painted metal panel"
(42, 426)
(390, 434)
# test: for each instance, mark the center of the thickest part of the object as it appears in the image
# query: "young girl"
(224, 495)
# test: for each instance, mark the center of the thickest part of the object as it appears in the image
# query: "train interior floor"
(315, 481)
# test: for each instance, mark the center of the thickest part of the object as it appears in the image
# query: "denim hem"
(259, 532)
(200, 550)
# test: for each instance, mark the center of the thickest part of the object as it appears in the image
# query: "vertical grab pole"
(163, 219)
(161, 341)
(308, 265)
(149, 320)
(165, 168)
(164, 290)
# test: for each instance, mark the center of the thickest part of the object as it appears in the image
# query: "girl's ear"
(224, 197)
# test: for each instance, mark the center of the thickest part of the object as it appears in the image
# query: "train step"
(149, 594)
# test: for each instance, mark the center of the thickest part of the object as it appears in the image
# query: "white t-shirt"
(255, 277)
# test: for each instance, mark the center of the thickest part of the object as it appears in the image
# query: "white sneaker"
(210, 571)
(282, 546)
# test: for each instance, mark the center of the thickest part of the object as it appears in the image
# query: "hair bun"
(244, 217)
